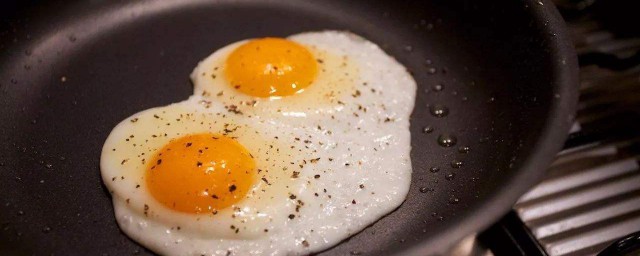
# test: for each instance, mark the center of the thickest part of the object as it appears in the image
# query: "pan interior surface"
(69, 72)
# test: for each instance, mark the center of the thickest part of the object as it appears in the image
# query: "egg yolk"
(200, 173)
(270, 67)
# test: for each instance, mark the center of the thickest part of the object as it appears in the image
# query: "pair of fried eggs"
(287, 146)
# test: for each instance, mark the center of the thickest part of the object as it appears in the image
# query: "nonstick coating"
(69, 72)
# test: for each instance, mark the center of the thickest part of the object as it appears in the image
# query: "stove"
(591, 195)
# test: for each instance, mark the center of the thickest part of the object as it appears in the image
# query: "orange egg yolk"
(200, 173)
(270, 67)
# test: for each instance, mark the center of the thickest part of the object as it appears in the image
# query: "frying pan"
(70, 71)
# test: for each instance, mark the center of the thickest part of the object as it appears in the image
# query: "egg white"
(347, 137)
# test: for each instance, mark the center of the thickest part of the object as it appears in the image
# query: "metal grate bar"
(587, 218)
(598, 173)
(558, 204)
(597, 238)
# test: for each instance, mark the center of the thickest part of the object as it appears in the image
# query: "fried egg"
(287, 147)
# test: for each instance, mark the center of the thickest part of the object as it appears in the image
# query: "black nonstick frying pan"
(71, 70)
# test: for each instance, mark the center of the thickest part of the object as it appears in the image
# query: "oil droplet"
(428, 62)
(440, 218)
(464, 150)
(456, 164)
(41, 181)
(465, 98)
(447, 140)
(450, 176)
(438, 87)
(408, 48)
(49, 166)
(63, 79)
(434, 214)
(427, 129)
(439, 110)
(432, 70)
(20, 213)
(425, 190)
(454, 200)
(434, 169)
(46, 229)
